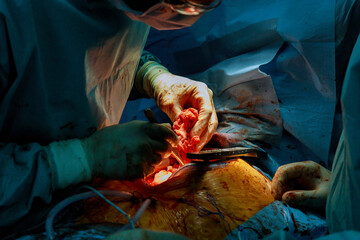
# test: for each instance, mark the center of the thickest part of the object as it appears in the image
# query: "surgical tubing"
(137, 215)
(78, 197)
(109, 202)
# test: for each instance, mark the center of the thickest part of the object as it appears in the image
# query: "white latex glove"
(124, 151)
(302, 184)
(173, 94)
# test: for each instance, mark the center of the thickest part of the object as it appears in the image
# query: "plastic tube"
(78, 197)
(137, 215)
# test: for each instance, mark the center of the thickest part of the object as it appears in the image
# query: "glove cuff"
(68, 163)
(146, 74)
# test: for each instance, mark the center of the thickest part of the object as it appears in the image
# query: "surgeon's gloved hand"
(173, 94)
(304, 184)
(124, 151)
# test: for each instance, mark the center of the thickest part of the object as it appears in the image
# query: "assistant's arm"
(25, 178)
(24, 169)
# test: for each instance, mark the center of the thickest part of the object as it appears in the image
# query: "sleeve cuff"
(149, 71)
(68, 163)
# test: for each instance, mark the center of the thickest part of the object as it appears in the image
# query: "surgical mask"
(166, 16)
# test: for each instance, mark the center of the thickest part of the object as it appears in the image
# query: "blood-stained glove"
(173, 94)
(302, 184)
(124, 151)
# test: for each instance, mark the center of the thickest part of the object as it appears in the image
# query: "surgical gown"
(66, 69)
(343, 210)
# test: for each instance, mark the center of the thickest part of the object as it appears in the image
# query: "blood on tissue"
(182, 127)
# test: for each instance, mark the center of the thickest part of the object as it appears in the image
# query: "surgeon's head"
(169, 14)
